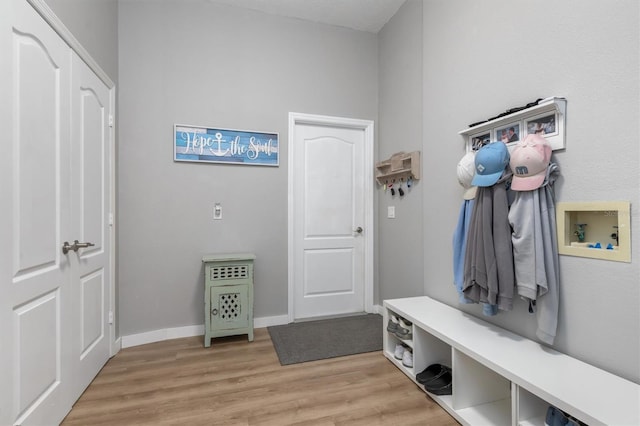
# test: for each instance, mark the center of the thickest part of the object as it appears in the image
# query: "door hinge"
(110, 317)
(110, 219)
(111, 120)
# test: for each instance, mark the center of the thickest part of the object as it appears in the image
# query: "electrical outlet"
(217, 211)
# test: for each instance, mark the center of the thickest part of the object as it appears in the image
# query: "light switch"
(217, 211)
(391, 212)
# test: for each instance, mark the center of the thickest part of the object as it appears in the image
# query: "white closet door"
(90, 271)
(54, 188)
(35, 298)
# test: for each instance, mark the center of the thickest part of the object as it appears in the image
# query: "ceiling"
(362, 15)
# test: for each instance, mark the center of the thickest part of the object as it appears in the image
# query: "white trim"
(186, 331)
(296, 118)
(114, 340)
(270, 321)
(47, 14)
(163, 334)
(117, 345)
(378, 309)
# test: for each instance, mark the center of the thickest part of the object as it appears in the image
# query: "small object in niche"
(609, 246)
(615, 234)
(580, 231)
(596, 245)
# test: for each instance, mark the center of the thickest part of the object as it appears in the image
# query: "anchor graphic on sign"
(219, 152)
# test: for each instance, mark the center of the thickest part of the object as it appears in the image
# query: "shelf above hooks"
(399, 167)
(546, 118)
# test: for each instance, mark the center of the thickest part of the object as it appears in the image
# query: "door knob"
(66, 247)
(359, 229)
(82, 245)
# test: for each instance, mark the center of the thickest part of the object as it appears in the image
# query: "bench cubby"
(501, 378)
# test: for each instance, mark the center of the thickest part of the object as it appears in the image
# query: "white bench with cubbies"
(501, 378)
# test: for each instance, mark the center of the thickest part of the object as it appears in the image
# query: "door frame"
(61, 29)
(350, 123)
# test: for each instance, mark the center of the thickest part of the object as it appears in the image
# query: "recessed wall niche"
(600, 229)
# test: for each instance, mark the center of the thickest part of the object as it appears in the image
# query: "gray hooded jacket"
(488, 264)
(535, 252)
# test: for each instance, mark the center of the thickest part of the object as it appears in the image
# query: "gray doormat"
(328, 338)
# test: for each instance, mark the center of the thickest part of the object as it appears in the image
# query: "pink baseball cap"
(529, 161)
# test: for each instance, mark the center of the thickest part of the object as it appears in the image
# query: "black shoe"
(431, 372)
(444, 390)
(441, 385)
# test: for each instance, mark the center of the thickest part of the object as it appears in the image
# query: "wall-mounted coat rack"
(546, 117)
(400, 167)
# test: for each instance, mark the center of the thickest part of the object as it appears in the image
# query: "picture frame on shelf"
(510, 133)
(480, 140)
(545, 125)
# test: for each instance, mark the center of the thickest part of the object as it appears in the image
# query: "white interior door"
(53, 189)
(36, 299)
(90, 182)
(330, 230)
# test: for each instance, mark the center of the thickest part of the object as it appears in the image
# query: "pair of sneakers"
(400, 327)
(405, 354)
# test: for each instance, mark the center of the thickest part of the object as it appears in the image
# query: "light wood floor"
(234, 382)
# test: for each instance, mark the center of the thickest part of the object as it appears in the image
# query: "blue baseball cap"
(490, 162)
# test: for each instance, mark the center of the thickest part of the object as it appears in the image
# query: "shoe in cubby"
(407, 358)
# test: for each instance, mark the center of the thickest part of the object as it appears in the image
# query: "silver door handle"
(359, 229)
(66, 247)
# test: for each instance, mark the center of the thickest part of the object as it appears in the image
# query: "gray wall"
(193, 62)
(399, 242)
(481, 58)
(95, 24)
(188, 63)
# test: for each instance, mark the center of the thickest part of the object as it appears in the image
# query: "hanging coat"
(459, 247)
(488, 272)
(535, 251)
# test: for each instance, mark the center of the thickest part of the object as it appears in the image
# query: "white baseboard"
(189, 331)
(270, 321)
(160, 335)
(115, 348)
(197, 330)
